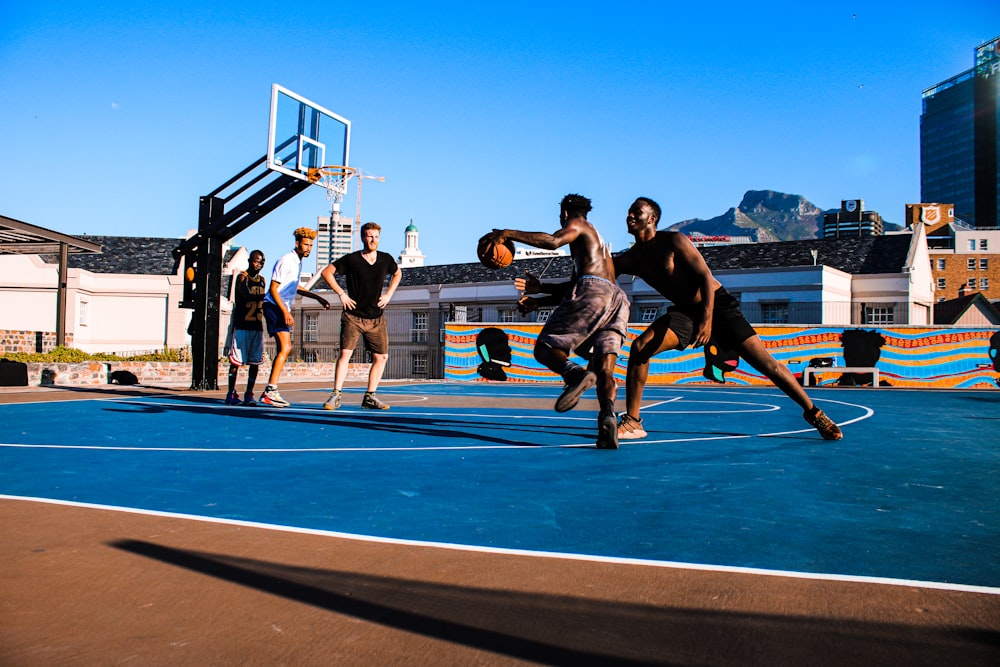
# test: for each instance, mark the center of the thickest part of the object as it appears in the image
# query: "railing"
(418, 352)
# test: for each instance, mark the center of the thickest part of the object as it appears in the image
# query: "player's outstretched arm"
(312, 295)
(541, 240)
(686, 252)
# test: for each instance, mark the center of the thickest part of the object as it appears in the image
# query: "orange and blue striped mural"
(910, 356)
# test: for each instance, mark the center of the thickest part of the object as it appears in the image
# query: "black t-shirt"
(365, 281)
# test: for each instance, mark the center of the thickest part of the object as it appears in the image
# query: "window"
(310, 332)
(972, 244)
(508, 315)
(942, 284)
(418, 364)
(466, 313)
(84, 313)
(970, 264)
(971, 283)
(940, 265)
(984, 244)
(418, 332)
(542, 314)
(984, 283)
(984, 264)
(879, 315)
(648, 314)
(774, 313)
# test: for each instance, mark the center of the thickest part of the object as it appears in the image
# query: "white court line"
(548, 418)
(967, 588)
(291, 450)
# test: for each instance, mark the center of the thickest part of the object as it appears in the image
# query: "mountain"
(763, 215)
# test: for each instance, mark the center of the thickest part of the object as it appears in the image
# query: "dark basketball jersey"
(248, 305)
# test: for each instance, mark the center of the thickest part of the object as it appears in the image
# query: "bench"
(826, 370)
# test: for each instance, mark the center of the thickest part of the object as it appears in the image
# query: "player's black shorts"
(729, 326)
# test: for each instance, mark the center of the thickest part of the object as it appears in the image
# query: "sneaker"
(333, 402)
(371, 402)
(607, 431)
(232, 398)
(248, 400)
(272, 397)
(577, 382)
(818, 419)
(630, 428)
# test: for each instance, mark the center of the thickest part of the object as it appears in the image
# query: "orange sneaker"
(826, 427)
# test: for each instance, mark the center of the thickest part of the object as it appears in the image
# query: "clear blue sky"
(118, 116)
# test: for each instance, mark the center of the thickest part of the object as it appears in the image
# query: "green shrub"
(69, 355)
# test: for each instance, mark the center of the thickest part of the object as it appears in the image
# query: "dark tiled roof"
(452, 274)
(547, 268)
(865, 255)
(857, 256)
(132, 255)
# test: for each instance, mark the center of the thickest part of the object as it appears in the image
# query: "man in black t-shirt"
(365, 272)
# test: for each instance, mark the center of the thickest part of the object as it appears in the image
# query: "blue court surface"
(728, 477)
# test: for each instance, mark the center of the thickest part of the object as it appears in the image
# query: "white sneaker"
(272, 397)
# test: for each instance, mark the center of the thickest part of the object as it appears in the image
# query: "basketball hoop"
(333, 179)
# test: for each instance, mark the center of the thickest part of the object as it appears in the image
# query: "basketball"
(495, 255)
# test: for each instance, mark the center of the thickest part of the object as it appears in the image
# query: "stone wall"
(175, 374)
(29, 342)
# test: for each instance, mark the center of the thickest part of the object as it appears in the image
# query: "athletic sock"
(568, 368)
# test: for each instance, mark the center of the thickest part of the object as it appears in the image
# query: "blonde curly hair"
(305, 233)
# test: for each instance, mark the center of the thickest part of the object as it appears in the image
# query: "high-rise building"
(333, 239)
(852, 220)
(959, 140)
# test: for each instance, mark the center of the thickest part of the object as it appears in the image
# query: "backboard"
(302, 135)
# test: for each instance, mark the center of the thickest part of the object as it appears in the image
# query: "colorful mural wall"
(930, 357)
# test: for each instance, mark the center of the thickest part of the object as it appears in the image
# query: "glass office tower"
(958, 140)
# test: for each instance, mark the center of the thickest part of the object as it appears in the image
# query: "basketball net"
(334, 179)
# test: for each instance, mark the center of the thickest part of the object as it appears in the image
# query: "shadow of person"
(493, 347)
(861, 348)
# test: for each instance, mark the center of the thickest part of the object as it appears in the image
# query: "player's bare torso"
(657, 262)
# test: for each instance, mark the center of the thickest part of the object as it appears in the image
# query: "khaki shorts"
(375, 332)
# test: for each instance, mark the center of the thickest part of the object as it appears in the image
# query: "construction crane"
(335, 180)
(356, 233)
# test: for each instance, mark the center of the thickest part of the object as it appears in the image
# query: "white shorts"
(244, 346)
